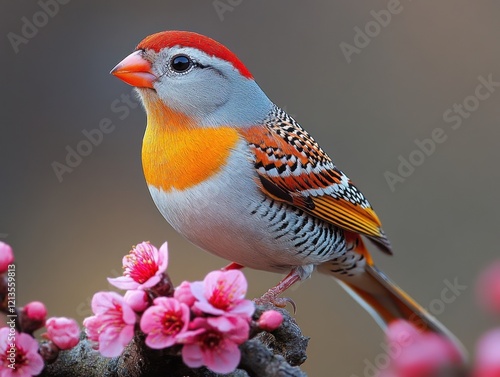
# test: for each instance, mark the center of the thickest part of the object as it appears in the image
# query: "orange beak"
(135, 70)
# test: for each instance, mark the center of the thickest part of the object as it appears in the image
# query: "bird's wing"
(293, 168)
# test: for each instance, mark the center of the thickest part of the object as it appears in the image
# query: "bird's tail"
(384, 300)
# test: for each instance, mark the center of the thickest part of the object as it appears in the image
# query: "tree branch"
(268, 354)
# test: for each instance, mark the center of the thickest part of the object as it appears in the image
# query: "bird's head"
(196, 77)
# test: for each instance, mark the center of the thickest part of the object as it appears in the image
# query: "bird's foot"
(271, 297)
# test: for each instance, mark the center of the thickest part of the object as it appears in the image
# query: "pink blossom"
(183, 293)
(6, 256)
(112, 326)
(25, 357)
(270, 320)
(213, 342)
(402, 333)
(488, 355)
(223, 292)
(33, 316)
(137, 299)
(36, 311)
(416, 354)
(143, 266)
(164, 322)
(63, 332)
(488, 288)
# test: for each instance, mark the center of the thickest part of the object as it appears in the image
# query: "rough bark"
(267, 354)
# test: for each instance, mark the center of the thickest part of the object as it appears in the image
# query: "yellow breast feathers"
(177, 155)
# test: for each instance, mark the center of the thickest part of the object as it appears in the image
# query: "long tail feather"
(379, 295)
(386, 302)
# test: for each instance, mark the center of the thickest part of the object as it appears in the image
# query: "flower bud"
(63, 332)
(32, 316)
(270, 320)
(6, 256)
(183, 293)
(137, 299)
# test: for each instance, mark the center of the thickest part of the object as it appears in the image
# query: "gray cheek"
(197, 95)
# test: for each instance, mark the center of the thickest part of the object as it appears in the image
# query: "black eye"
(181, 63)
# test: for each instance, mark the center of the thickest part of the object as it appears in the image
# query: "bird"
(240, 178)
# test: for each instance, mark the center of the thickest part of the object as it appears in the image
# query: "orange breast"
(177, 155)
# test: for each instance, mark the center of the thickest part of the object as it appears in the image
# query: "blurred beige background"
(443, 219)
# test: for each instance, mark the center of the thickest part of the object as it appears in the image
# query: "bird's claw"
(280, 302)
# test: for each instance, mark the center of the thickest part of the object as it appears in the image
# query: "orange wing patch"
(292, 168)
(347, 215)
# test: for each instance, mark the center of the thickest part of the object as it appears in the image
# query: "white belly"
(229, 216)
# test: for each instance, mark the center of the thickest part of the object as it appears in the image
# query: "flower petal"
(163, 258)
(151, 282)
(183, 293)
(104, 301)
(197, 289)
(157, 340)
(113, 342)
(211, 282)
(224, 359)
(208, 308)
(245, 308)
(192, 355)
(488, 354)
(124, 282)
